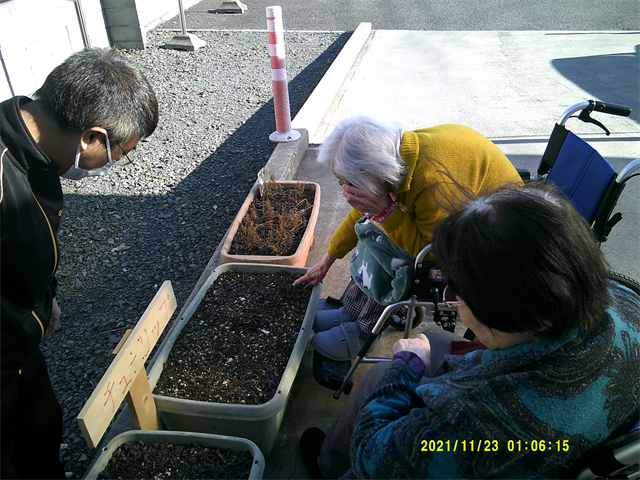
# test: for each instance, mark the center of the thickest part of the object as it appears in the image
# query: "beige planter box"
(180, 438)
(299, 258)
(258, 423)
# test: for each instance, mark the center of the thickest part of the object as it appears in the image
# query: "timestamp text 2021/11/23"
(494, 445)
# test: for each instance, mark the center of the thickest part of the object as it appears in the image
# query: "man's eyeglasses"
(124, 154)
(450, 299)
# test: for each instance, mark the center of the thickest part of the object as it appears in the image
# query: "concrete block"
(122, 17)
(5, 90)
(129, 45)
(10, 32)
(95, 23)
(74, 36)
(188, 42)
(50, 15)
(51, 50)
(230, 6)
(126, 35)
(20, 71)
(26, 27)
(115, 4)
(286, 158)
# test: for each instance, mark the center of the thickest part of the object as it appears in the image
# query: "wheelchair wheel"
(626, 281)
(398, 318)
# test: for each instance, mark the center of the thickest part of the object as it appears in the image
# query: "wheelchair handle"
(589, 106)
(612, 109)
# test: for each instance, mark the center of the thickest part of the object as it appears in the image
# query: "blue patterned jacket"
(528, 411)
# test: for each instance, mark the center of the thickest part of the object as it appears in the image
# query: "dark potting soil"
(236, 345)
(275, 222)
(165, 460)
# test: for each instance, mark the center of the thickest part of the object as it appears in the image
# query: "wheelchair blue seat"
(582, 174)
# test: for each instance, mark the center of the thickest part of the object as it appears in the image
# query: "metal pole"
(184, 40)
(83, 25)
(6, 73)
(183, 21)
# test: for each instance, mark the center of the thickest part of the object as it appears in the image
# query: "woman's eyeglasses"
(450, 299)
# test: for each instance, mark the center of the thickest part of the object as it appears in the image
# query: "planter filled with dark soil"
(276, 227)
(178, 455)
(228, 365)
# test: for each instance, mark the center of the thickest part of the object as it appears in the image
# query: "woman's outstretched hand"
(316, 273)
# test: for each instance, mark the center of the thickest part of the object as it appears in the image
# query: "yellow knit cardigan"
(435, 159)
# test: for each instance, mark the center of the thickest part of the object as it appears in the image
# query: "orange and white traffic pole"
(284, 132)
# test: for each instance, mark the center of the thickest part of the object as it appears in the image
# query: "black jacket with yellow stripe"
(30, 209)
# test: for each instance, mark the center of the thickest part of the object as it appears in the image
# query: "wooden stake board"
(106, 398)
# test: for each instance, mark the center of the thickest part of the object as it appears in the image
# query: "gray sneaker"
(340, 343)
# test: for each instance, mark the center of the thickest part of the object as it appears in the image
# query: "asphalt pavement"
(440, 15)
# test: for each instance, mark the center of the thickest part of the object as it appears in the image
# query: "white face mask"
(77, 173)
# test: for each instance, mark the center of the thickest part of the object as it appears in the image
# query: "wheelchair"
(570, 163)
(619, 456)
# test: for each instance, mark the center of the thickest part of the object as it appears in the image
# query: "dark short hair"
(524, 260)
(99, 88)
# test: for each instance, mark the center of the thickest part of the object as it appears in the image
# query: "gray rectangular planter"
(259, 423)
(180, 438)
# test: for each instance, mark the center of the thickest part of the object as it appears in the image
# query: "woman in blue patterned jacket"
(559, 374)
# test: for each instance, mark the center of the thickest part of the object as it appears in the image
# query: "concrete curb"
(312, 113)
(286, 158)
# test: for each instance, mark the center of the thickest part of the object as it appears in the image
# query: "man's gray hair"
(365, 152)
(99, 87)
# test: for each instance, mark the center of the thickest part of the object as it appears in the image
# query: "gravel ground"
(162, 217)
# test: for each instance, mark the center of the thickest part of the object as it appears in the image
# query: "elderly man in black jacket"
(91, 110)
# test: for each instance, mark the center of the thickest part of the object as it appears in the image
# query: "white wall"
(37, 35)
(94, 23)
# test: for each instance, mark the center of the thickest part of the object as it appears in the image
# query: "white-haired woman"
(397, 183)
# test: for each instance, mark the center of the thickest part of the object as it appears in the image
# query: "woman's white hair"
(365, 152)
